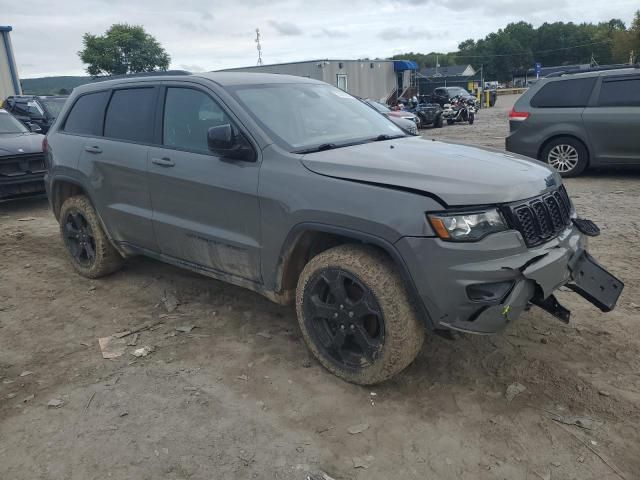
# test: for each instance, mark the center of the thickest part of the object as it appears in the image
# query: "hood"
(457, 174)
(400, 114)
(12, 143)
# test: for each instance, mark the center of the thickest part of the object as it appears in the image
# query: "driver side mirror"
(224, 141)
(35, 128)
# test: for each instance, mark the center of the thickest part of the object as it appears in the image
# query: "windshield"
(8, 124)
(378, 106)
(457, 91)
(53, 105)
(302, 116)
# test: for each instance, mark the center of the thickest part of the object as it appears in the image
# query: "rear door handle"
(93, 149)
(163, 162)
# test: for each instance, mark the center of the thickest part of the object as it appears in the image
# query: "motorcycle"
(459, 110)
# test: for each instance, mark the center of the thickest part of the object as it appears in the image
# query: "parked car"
(578, 120)
(21, 160)
(394, 114)
(34, 109)
(295, 189)
(443, 95)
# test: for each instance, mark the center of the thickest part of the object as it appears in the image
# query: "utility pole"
(258, 46)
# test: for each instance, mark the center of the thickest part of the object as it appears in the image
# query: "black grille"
(19, 165)
(542, 218)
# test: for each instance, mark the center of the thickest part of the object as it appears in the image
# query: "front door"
(205, 208)
(613, 124)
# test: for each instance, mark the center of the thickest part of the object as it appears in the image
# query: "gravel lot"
(239, 397)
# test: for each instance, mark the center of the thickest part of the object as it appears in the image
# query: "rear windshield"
(9, 124)
(53, 105)
(573, 93)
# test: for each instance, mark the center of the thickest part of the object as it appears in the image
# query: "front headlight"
(467, 227)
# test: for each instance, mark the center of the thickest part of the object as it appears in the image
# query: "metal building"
(9, 81)
(383, 80)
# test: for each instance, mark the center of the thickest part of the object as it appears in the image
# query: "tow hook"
(551, 305)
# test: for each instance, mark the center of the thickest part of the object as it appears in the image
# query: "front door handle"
(163, 162)
(93, 149)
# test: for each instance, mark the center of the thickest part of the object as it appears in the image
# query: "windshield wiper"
(384, 136)
(319, 148)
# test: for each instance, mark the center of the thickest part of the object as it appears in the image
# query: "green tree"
(122, 49)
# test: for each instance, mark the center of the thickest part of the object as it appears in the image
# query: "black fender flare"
(364, 237)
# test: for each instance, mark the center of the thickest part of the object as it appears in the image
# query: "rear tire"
(89, 249)
(356, 315)
(567, 155)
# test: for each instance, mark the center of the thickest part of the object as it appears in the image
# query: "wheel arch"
(63, 188)
(544, 144)
(306, 240)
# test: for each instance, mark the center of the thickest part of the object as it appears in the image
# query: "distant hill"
(51, 85)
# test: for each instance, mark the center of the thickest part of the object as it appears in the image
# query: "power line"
(529, 52)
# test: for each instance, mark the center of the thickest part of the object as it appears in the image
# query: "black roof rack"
(143, 74)
(593, 69)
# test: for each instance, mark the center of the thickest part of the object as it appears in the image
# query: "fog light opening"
(489, 292)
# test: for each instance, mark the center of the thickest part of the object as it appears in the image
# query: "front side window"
(573, 93)
(130, 115)
(9, 124)
(188, 114)
(305, 115)
(620, 93)
(86, 114)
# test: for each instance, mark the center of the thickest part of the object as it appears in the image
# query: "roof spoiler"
(593, 69)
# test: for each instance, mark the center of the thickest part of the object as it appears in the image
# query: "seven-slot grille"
(542, 218)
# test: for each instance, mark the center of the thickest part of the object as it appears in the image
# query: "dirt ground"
(239, 397)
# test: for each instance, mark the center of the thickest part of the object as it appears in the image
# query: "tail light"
(518, 116)
(45, 145)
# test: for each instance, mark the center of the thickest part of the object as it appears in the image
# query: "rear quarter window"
(85, 117)
(620, 92)
(571, 93)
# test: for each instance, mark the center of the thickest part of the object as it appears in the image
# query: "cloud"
(205, 35)
(331, 33)
(285, 28)
(401, 32)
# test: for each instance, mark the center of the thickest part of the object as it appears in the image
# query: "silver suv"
(296, 190)
(579, 120)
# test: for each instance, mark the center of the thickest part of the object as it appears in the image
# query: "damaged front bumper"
(480, 287)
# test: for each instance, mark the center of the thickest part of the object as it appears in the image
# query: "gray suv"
(579, 120)
(295, 189)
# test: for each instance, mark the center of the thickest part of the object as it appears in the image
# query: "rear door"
(116, 163)
(205, 208)
(613, 122)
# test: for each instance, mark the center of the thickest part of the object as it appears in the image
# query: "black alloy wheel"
(344, 318)
(79, 238)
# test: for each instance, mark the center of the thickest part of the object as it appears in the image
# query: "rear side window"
(130, 115)
(620, 93)
(572, 93)
(86, 114)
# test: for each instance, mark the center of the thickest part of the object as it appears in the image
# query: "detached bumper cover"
(442, 271)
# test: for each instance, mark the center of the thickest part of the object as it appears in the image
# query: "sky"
(204, 35)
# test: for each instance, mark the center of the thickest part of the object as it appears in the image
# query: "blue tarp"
(402, 65)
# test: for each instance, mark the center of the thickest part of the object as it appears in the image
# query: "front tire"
(450, 121)
(472, 118)
(439, 122)
(568, 156)
(356, 315)
(89, 249)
